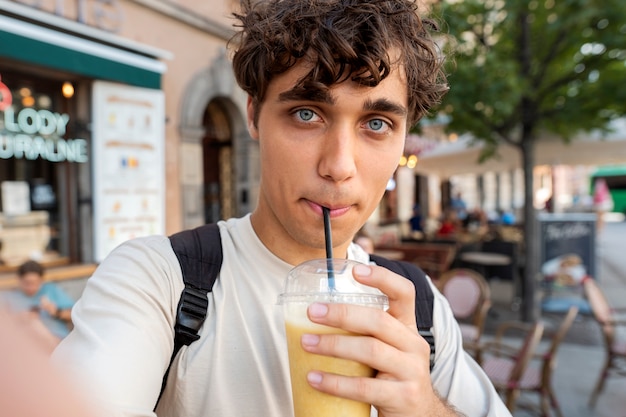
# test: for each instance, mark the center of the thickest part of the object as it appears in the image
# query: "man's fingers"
(401, 291)
(371, 352)
(372, 391)
(364, 321)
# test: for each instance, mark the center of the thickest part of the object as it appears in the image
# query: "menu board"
(568, 255)
(128, 163)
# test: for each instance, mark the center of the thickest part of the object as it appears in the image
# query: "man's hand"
(48, 306)
(389, 343)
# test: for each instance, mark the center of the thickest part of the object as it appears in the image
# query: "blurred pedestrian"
(602, 201)
(459, 206)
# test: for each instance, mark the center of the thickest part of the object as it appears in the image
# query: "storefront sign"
(6, 98)
(30, 133)
(34, 147)
(31, 121)
(103, 14)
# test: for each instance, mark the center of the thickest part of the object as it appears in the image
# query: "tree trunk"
(530, 302)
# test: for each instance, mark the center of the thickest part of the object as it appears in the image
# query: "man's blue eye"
(376, 124)
(306, 114)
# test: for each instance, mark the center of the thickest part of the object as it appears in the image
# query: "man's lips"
(335, 211)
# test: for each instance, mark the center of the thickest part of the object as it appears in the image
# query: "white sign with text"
(128, 162)
(15, 198)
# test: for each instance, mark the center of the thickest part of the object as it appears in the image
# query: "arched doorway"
(220, 162)
(217, 151)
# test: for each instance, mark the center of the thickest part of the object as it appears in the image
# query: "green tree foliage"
(520, 69)
(555, 65)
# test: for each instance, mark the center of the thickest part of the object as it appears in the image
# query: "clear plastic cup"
(307, 283)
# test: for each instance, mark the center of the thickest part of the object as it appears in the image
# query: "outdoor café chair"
(505, 367)
(469, 296)
(537, 378)
(610, 320)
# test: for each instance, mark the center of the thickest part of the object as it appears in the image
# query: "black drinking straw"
(329, 248)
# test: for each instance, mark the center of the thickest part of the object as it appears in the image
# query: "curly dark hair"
(29, 267)
(358, 40)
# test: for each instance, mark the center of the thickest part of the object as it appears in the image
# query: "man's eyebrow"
(324, 96)
(307, 94)
(385, 105)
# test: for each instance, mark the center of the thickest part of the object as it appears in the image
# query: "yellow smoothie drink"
(307, 401)
(326, 281)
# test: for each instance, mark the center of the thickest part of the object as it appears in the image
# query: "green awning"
(34, 44)
(610, 171)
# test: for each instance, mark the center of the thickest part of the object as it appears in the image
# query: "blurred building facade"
(118, 118)
(563, 174)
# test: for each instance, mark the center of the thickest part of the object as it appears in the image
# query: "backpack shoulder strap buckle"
(190, 315)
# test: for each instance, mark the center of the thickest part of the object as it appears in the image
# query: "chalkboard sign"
(567, 255)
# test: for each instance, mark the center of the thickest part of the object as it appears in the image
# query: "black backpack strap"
(199, 253)
(424, 298)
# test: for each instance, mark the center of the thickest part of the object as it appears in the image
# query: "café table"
(485, 258)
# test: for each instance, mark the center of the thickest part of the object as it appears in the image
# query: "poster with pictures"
(129, 166)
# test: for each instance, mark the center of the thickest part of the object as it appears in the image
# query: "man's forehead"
(295, 84)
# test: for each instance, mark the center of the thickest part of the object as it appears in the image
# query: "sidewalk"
(578, 367)
(581, 355)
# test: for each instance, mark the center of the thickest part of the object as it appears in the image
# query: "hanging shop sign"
(31, 133)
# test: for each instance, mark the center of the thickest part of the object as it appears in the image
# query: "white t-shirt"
(123, 337)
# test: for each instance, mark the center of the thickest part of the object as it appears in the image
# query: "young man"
(333, 87)
(43, 305)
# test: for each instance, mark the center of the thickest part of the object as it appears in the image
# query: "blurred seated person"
(450, 224)
(507, 218)
(476, 222)
(416, 220)
(45, 305)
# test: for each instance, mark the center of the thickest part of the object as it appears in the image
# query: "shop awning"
(610, 171)
(49, 48)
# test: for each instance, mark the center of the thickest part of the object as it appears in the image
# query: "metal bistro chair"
(537, 377)
(469, 296)
(609, 319)
(505, 369)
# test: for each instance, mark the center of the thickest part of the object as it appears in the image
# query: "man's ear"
(251, 111)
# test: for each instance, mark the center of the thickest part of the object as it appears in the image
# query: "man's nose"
(338, 159)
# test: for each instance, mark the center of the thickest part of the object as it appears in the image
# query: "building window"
(39, 153)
